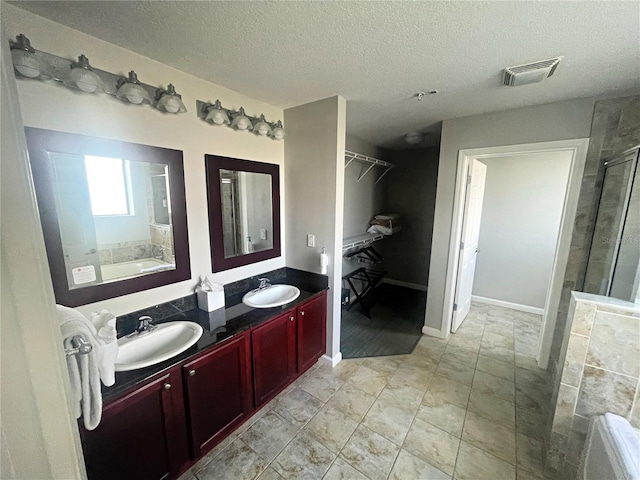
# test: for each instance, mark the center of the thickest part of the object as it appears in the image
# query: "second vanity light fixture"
(31, 63)
(216, 114)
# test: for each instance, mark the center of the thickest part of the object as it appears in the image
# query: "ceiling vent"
(530, 72)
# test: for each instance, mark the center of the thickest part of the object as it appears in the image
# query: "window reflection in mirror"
(109, 210)
(244, 211)
(113, 215)
(247, 225)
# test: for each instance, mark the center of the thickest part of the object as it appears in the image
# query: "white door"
(469, 245)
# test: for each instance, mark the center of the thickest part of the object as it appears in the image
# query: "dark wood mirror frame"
(40, 142)
(213, 165)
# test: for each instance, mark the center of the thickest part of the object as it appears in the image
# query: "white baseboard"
(400, 283)
(433, 332)
(331, 361)
(513, 306)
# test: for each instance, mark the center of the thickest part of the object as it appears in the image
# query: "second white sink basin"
(272, 296)
(166, 341)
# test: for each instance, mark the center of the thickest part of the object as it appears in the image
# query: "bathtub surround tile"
(583, 317)
(370, 453)
(602, 391)
(574, 361)
(615, 344)
(304, 457)
(298, 407)
(409, 466)
(434, 446)
(565, 409)
(476, 464)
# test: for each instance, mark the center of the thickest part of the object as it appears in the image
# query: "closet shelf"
(370, 161)
(360, 240)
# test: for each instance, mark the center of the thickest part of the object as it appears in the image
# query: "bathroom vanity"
(159, 420)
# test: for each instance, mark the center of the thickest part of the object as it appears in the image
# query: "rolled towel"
(83, 368)
(107, 335)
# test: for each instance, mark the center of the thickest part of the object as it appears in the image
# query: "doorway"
(565, 209)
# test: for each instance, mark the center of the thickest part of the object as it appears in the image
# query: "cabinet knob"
(291, 319)
(302, 313)
(167, 386)
(192, 373)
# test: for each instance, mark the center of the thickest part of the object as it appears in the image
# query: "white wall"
(541, 123)
(521, 212)
(314, 165)
(52, 106)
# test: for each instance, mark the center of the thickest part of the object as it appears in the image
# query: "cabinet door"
(140, 435)
(274, 356)
(312, 332)
(218, 393)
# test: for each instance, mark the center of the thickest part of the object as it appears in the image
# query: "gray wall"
(518, 237)
(314, 185)
(411, 192)
(541, 123)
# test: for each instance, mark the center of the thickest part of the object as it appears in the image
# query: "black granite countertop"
(218, 326)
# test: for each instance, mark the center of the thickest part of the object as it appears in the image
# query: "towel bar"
(80, 346)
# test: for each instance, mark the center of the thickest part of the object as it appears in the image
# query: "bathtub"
(118, 271)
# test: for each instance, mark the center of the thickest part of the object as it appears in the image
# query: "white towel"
(83, 369)
(105, 324)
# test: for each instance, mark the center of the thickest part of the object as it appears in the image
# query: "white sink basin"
(166, 341)
(272, 296)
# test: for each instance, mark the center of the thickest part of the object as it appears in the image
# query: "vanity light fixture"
(35, 64)
(169, 101)
(25, 59)
(241, 121)
(130, 90)
(83, 77)
(216, 114)
(261, 127)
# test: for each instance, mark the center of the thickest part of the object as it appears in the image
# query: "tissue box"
(210, 301)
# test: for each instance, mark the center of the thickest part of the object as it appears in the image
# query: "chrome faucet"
(145, 325)
(264, 283)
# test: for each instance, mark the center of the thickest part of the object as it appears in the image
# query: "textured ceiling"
(377, 54)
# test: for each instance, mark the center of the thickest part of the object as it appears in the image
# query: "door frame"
(578, 148)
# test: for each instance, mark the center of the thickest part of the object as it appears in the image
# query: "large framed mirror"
(113, 215)
(244, 211)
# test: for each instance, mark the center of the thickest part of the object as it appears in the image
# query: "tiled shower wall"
(601, 372)
(615, 128)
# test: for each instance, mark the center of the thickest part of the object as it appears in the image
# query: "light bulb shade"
(85, 80)
(261, 127)
(278, 131)
(414, 138)
(217, 116)
(29, 64)
(170, 101)
(241, 121)
(133, 93)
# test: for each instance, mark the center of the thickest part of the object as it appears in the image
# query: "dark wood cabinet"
(274, 356)
(312, 331)
(142, 435)
(218, 393)
(148, 432)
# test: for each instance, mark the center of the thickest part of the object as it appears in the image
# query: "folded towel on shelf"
(83, 369)
(386, 224)
(105, 325)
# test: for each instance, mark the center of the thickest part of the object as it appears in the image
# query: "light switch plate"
(311, 240)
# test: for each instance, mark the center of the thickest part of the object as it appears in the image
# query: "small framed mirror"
(244, 211)
(113, 215)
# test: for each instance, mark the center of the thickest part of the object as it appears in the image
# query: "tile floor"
(470, 408)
